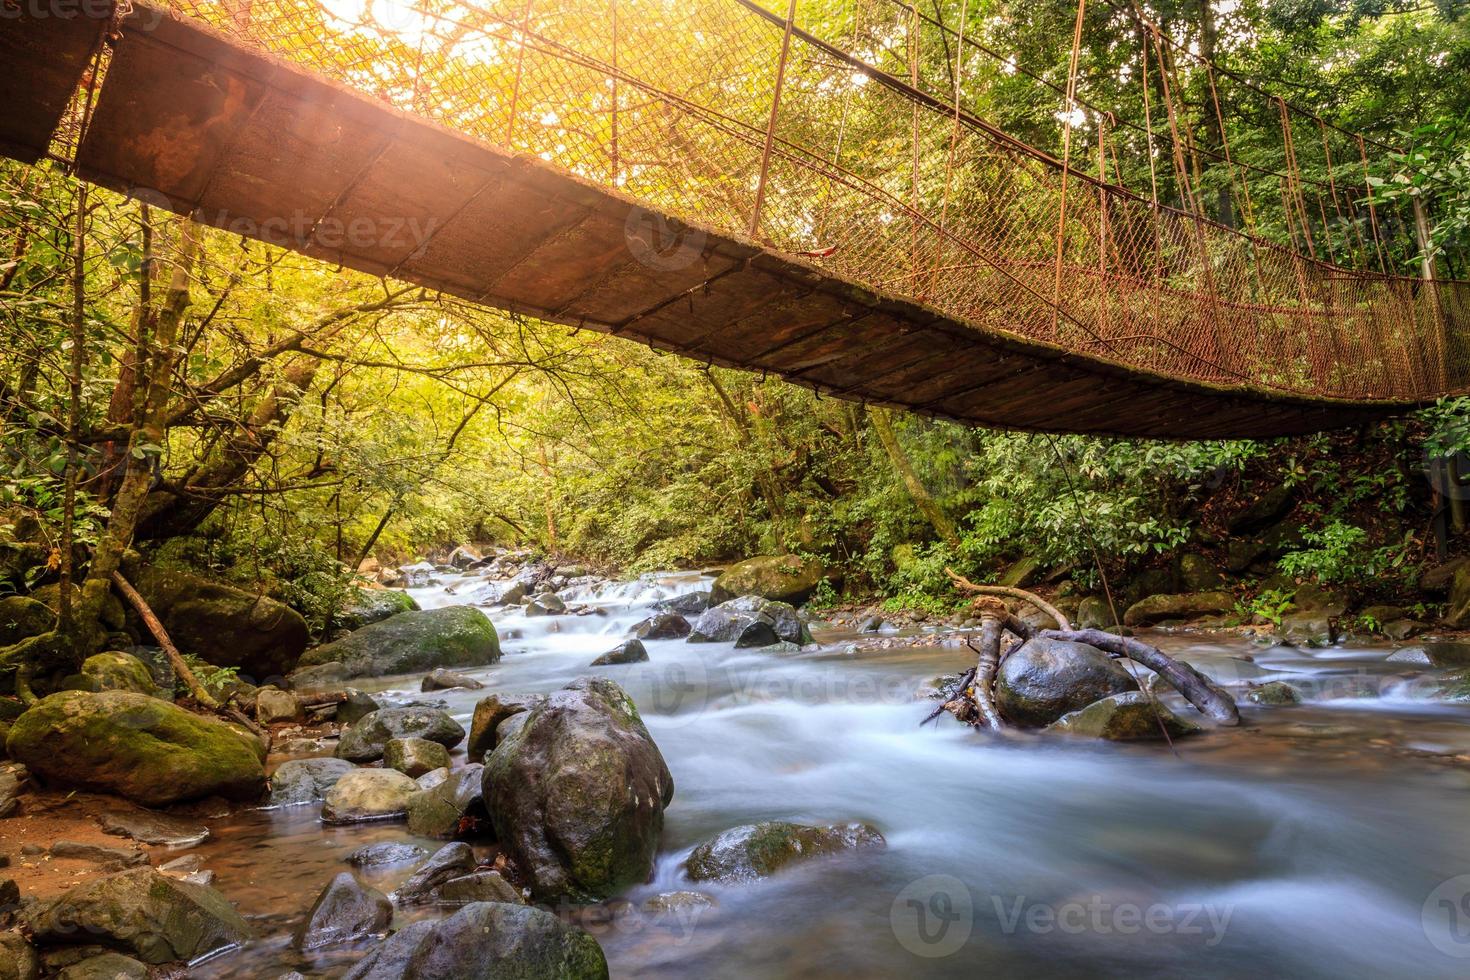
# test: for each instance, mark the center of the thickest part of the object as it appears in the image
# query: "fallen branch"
(954, 692)
(992, 620)
(1197, 689)
(1005, 590)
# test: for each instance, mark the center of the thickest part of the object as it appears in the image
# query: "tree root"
(966, 585)
(1198, 690)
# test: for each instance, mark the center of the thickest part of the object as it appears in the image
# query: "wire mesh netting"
(842, 142)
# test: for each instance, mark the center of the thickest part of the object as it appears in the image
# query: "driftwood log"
(1197, 689)
(993, 615)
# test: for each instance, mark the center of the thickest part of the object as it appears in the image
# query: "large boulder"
(148, 750)
(1185, 605)
(1044, 679)
(112, 670)
(784, 578)
(368, 794)
(577, 794)
(454, 636)
(345, 910)
(368, 737)
(489, 713)
(1124, 717)
(148, 915)
(223, 625)
(757, 850)
(306, 780)
(367, 606)
(484, 940)
(750, 621)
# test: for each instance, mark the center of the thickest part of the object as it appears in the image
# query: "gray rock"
(662, 626)
(443, 810)
(150, 915)
(1436, 653)
(1044, 679)
(368, 737)
(449, 862)
(18, 959)
(368, 794)
(750, 621)
(757, 850)
(306, 780)
(577, 794)
(1130, 716)
(487, 939)
(345, 910)
(13, 782)
(357, 706)
(447, 680)
(688, 604)
(328, 676)
(628, 652)
(386, 854)
(414, 756)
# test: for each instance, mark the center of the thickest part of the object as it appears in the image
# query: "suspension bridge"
(720, 180)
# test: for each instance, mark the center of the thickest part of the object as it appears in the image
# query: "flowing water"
(1314, 840)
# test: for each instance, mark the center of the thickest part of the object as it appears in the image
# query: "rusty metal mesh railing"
(856, 152)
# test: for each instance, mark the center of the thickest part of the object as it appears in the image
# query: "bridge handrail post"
(760, 186)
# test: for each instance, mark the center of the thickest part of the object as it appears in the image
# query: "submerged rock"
(489, 713)
(1273, 692)
(385, 855)
(546, 604)
(153, 917)
(414, 756)
(783, 578)
(306, 780)
(368, 794)
(109, 858)
(1124, 717)
(757, 850)
(628, 652)
(487, 939)
(750, 621)
(577, 795)
(368, 737)
(1043, 679)
(454, 636)
(345, 910)
(139, 747)
(662, 626)
(147, 827)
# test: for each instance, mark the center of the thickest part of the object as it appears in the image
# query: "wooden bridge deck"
(189, 120)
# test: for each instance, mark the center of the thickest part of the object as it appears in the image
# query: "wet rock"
(276, 707)
(546, 604)
(345, 910)
(113, 670)
(577, 794)
(108, 858)
(1042, 680)
(750, 621)
(1093, 612)
(449, 862)
(1273, 692)
(1436, 653)
(870, 624)
(368, 794)
(679, 901)
(367, 606)
(448, 680)
(431, 778)
(306, 780)
(1124, 717)
(154, 828)
(782, 578)
(510, 726)
(1187, 605)
(149, 915)
(416, 576)
(414, 757)
(487, 939)
(223, 625)
(1402, 629)
(18, 959)
(662, 626)
(147, 750)
(318, 677)
(356, 707)
(489, 713)
(628, 652)
(757, 850)
(454, 806)
(688, 604)
(482, 886)
(107, 966)
(454, 636)
(367, 738)
(512, 594)
(386, 855)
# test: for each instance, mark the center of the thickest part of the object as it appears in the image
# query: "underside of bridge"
(186, 119)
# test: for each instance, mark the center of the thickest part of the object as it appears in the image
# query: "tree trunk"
(920, 495)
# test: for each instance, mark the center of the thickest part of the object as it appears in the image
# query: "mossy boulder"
(577, 793)
(487, 939)
(148, 750)
(1198, 574)
(223, 625)
(148, 915)
(784, 578)
(106, 966)
(1124, 717)
(22, 617)
(1184, 605)
(368, 737)
(113, 670)
(367, 606)
(758, 850)
(1044, 679)
(410, 642)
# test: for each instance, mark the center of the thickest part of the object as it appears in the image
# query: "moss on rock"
(454, 636)
(784, 578)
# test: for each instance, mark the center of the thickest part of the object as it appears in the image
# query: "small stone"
(1124, 717)
(445, 680)
(306, 780)
(628, 652)
(1273, 692)
(107, 966)
(757, 850)
(367, 738)
(276, 707)
(482, 886)
(154, 828)
(662, 626)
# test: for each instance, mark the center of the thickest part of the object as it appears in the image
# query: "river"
(1318, 840)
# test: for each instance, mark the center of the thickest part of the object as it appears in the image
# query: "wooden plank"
(45, 57)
